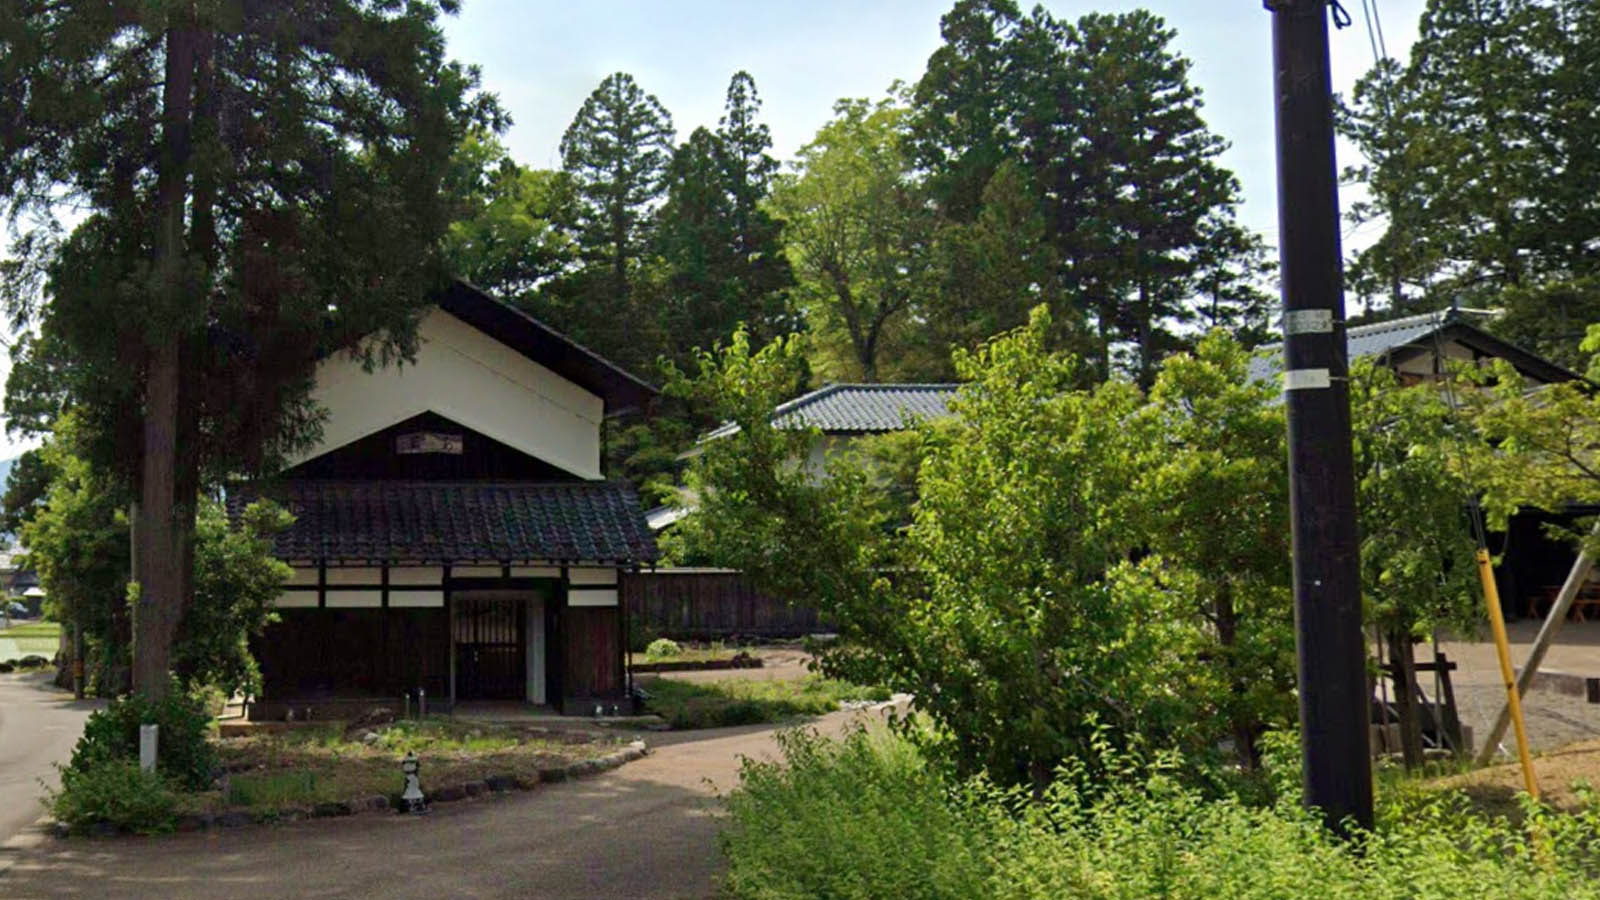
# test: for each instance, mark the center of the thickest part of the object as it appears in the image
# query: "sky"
(543, 58)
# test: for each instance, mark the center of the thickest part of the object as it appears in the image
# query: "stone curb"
(494, 784)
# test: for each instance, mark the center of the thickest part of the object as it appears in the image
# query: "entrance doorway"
(489, 637)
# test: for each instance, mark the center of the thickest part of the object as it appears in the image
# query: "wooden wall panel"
(712, 605)
(592, 657)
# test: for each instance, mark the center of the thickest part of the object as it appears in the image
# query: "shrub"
(663, 648)
(845, 818)
(183, 751)
(641, 634)
(113, 792)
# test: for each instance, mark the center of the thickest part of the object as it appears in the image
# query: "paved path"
(645, 830)
(38, 726)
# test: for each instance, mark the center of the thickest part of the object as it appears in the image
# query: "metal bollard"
(422, 703)
(148, 735)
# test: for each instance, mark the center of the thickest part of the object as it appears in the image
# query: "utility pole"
(1334, 703)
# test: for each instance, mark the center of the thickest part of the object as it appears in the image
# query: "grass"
(272, 773)
(691, 704)
(34, 638)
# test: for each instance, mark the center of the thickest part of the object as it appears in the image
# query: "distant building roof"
(859, 408)
(1384, 339)
(457, 521)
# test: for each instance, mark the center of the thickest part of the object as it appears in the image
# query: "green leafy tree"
(26, 487)
(77, 540)
(261, 187)
(512, 233)
(237, 581)
(1210, 496)
(858, 232)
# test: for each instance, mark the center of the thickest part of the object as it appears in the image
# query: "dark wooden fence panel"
(708, 604)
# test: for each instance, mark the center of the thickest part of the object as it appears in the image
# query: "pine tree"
(261, 186)
(1483, 152)
(748, 168)
(617, 152)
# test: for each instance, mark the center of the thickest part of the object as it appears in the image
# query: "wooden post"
(1581, 567)
(1403, 672)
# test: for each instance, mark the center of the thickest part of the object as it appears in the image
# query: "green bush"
(848, 818)
(183, 750)
(663, 648)
(641, 634)
(113, 792)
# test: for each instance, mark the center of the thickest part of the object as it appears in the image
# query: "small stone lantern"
(411, 799)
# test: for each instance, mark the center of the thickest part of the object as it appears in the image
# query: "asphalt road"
(38, 726)
(646, 830)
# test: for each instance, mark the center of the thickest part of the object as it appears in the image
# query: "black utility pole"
(1327, 578)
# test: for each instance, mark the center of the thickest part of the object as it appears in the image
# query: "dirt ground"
(777, 664)
(1554, 720)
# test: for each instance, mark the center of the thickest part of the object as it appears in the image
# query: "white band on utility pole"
(1308, 321)
(1306, 379)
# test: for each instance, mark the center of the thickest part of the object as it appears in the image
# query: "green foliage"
(695, 704)
(236, 582)
(1132, 218)
(512, 228)
(114, 792)
(184, 752)
(1210, 500)
(1051, 551)
(77, 540)
(1417, 546)
(858, 232)
(847, 819)
(842, 819)
(663, 648)
(276, 790)
(1482, 161)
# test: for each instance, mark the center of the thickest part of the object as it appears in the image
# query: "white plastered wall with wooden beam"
(471, 378)
(369, 587)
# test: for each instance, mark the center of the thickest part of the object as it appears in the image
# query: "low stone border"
(1568, 683)
(450, 793)
(706, 665)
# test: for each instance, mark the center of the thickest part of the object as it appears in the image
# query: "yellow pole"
(1502, 646)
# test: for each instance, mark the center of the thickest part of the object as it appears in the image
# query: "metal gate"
(489, 648)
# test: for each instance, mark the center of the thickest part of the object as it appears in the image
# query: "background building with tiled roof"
(841, 413)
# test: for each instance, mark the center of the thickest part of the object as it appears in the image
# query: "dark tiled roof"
(458, 521)
(859, 408)
(1381, 338)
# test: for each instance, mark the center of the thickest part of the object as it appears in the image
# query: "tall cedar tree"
(721, 249)
(261, 184)
(1102, 118)
(617, 151)
(1485, 152)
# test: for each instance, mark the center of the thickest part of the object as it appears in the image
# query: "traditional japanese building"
(452, 530)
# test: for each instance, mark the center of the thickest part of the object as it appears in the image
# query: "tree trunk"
(1243, 725)
(159, 550)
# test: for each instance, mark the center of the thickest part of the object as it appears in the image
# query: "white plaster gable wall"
(467, 377)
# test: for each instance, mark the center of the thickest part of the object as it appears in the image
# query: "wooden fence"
(710, 604)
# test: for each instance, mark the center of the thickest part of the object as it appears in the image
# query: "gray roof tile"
(859, 408)
(457, 521)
